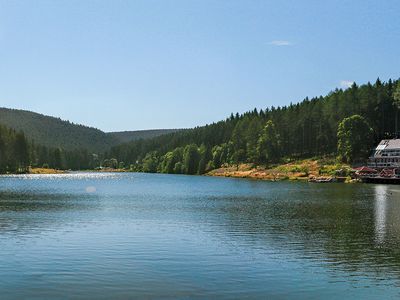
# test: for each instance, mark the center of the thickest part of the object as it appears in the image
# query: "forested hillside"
(344, 123)
(18, 153)
(36, 140)
(305, 129)
(54, 132)
(129, 136)
(14, 151)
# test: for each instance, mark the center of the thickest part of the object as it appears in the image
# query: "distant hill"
(54, 132)
(129, 136)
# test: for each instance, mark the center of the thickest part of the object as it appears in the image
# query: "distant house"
(386, 155)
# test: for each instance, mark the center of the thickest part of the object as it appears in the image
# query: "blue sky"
(128, 65)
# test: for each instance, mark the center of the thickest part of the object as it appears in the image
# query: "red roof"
(365, 170)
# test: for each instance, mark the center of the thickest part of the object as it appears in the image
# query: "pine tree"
(21, 152)
(191, 159)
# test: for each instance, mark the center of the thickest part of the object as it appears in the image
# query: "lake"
(130, 235)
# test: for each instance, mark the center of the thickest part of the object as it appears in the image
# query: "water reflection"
(135, 232)
(346, 228)
(41, 203)
(380, 212)
(387, 215)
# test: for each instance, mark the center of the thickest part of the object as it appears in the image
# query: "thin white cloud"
(345, 84)
(280, 43)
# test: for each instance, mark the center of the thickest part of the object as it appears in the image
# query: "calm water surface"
(94, 235)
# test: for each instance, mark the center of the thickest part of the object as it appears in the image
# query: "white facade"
(386, 155)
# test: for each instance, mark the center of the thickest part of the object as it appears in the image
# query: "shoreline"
(45, 171)
(312, 170)
(306, 170)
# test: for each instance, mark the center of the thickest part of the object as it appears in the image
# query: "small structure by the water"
(363, 171)
(383, 165)
(386, 155)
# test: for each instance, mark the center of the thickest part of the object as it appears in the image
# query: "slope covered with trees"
(36, 140)
(130, 136)
(14, 151)
(56, 133)
(18, 153)
(305, 129)
(344, 123)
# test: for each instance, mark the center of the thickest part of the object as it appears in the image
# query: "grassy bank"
(44, 171)
(290, 170)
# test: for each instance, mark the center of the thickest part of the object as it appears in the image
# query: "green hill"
(303, 130)
(129, 136)
(53, 132)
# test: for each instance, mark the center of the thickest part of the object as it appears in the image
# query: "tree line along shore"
(342, 126)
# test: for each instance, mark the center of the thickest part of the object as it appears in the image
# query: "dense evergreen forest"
(18, 153)
(129, 136)
(343, 124)
(306, 129)
(29, 139)
(14, 151)
(56, 133)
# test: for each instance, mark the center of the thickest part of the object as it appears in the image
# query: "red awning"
(365, 170)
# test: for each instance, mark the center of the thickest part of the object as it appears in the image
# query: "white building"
(386, 155)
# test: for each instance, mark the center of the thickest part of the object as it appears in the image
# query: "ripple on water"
(129, 235)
